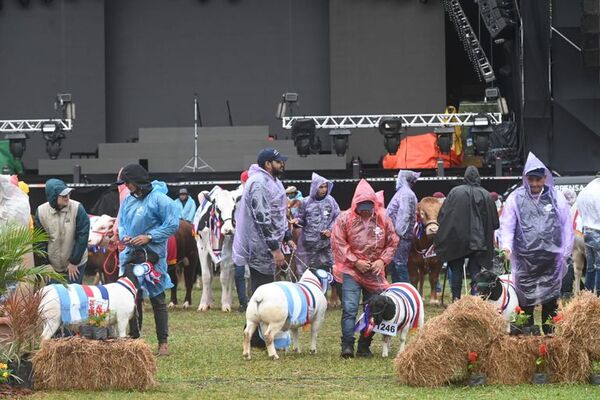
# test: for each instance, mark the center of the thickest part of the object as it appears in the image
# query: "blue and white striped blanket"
(74, 301)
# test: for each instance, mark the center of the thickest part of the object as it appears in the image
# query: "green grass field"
(206, 363)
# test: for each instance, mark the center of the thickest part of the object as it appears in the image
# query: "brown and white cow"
(422, 259)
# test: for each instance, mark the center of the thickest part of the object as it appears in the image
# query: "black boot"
(363, 347)
(347, 348)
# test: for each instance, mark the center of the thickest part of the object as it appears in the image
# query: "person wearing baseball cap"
(185, 205)
(67, 225)
(261, 221)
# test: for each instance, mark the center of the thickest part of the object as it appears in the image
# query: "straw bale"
(581, 323)
(76, 363)
(437, 355)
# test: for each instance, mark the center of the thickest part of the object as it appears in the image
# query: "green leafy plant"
(596, 366)
(16, 242)
(519, 318)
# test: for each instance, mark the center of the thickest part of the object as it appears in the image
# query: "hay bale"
(76, 363)
(438, 354)
(511, 360)
(581, 322)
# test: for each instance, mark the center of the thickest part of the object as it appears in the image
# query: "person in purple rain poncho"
(536, 234)
(261, 221)
(316, 216)
(402, 210)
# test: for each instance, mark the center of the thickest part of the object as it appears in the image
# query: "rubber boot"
(347, 348)
(363, 349)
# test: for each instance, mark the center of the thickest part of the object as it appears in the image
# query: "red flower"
(472, 357)
(556, 319)
(518, 309)
(543, 349)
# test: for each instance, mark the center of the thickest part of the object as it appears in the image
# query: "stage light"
(303, 135)
(340, 139)
(481, 135)
(286, 106)
(53, 136)
(444, 137)
(392, 130)
(16, 143)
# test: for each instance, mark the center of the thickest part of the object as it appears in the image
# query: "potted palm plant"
(20, 320)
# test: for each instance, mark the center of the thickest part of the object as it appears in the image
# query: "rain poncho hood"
(539, 235)
(315, 216)
(154, 214)
(356, 238)
(406, 178)
(261, 221)
(467, 221)
(402, 210)
(14, 203)
(53, 189)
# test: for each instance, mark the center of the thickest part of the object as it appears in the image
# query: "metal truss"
(408, 120)
(467, 36)
(33, 125)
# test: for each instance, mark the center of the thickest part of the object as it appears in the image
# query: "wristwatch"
(149, 236)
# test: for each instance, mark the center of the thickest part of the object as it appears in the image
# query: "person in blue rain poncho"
(186, 206)
(147, 218)
(535, 232)
(402, 210)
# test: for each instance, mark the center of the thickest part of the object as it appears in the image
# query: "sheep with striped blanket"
(279, 307)
(69, 304)
(399, 308)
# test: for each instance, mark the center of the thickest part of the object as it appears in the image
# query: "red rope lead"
(114, 253)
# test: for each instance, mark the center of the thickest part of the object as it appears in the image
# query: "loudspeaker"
(590, 33)
(497, 15)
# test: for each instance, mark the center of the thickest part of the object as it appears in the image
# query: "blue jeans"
(591, 237)
(240, 284)
(399, 272)
(351, 292)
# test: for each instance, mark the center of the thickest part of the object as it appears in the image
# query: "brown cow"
(422, 260)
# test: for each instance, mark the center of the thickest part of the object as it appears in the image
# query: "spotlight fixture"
(392, 130)
(53, 136)
(481, 135)
(444, 137)
(286, 106)
(303, 135)
(16, 143)
(340, 139)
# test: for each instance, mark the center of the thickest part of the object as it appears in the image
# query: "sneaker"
(163, 350)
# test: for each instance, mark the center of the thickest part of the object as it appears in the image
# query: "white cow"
(578, 252)
(214, 224)
(101, 230)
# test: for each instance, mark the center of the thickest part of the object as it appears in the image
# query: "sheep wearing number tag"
(397, 310)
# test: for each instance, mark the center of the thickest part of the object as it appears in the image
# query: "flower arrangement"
(472, 364)
(541, 363)
(519, 318)
(98, 315)
(5, 373)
